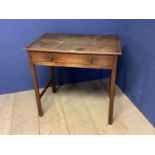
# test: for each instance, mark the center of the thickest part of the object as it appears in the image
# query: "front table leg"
(112, 90)
(36, 88)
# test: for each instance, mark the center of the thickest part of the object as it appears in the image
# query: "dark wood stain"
(85, 51)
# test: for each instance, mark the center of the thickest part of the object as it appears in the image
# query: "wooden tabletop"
(78, 44)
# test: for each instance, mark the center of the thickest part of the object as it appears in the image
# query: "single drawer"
(72, 60)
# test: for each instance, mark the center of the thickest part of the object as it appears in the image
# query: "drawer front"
(72, 60)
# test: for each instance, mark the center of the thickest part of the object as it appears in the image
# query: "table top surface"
(78, 44)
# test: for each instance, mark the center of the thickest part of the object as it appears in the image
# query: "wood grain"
(53, 122)
(70, 60)
(80, 113)
(84, 51)
(95, 98)
(77, 44)
(77, 117)
(6, 110)
(25, 116)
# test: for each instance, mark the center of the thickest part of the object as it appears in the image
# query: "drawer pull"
(50, 58)
(90, 60)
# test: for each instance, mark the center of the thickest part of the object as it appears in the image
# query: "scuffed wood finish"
(77, 44)
(85, 51)
(72, 60)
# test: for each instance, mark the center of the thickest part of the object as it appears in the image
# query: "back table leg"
(112, 90)
(36, 88)
(53, 80)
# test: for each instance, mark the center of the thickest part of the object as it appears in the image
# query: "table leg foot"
(40, 113)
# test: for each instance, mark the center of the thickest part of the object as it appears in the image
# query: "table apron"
(72, 60)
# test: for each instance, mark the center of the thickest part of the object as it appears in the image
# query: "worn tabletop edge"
(73, 52)
(29, 49)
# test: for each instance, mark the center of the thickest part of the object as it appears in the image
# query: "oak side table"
(68, 50)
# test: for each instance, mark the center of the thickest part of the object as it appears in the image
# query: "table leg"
(109, 87)
(53, 80)
(36, 88)
(112, 90)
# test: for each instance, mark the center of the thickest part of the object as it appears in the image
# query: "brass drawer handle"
(50, 58)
